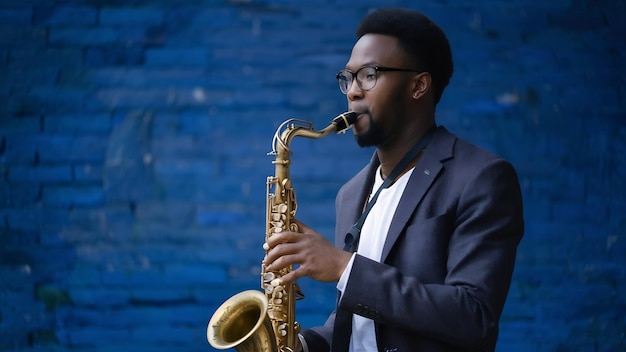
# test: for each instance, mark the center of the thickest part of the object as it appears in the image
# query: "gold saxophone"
(266, 321)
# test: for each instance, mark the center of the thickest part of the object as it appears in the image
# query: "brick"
(87, 336)
(208, 217)
(131, 16)
(88, 173)
(170, 334)
(193, 275)
(16, 16)
(36, 218)
(182, 188)
(175, 213)
(121, 98)
(188, 168)
(41, 174)
(31, 58)
(577, 212)
(14, 126)
(65, 16)
(109, 217)
(84, 36)
(103, 297)
(131, 277)
(84, 276)
(17, 81)
(13, 338)
(168, 146)
(78, 123)
(116, 56)
(195, 124)
(15, 270)
(199, 98)
(56, 99)
(72, 196)
(61, 148)
(52, 296)
(148, 77)
(177, 57)
(143, 296)
(129, 186)
(28, 36)
(9, 237)
(18, 195)
(161, 234)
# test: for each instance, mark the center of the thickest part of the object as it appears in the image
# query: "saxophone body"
(266, 321)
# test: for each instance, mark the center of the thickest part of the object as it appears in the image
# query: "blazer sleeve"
(318, 338)
(484, 224)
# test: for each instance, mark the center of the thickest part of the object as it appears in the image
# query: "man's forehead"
(372, 49)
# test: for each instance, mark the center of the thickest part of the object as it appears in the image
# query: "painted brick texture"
(133, 141)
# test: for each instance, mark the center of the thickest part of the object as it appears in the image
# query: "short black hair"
(419, 36)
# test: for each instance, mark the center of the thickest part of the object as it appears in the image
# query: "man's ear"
(421, 84)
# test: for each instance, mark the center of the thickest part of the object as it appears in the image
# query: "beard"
(374, 135)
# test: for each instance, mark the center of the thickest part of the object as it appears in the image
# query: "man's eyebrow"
(369, 63)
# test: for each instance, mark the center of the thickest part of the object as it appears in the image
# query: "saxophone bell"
(242, 322)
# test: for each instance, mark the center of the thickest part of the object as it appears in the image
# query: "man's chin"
(363, 141)
(367, 135)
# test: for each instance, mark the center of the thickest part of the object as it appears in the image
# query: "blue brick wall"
(133, 141)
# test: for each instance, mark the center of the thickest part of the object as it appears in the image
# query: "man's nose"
(354, 91)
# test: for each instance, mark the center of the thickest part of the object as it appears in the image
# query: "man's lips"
(359, 114)
(359, 125)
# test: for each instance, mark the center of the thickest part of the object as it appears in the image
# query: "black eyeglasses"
(365, 77)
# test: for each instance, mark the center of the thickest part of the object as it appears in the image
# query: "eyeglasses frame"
(376, 69)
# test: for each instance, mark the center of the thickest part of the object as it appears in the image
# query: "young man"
(429, 266)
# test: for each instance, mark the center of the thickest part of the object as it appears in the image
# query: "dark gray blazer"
(448, 259)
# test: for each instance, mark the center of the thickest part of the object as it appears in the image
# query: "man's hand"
(317, 257)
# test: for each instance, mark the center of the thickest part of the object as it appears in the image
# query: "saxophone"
(254, 321)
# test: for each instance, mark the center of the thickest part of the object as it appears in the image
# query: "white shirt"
(373, 236)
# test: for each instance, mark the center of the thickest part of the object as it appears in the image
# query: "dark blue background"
(133, 141)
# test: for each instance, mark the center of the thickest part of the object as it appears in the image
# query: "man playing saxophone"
(427, 232)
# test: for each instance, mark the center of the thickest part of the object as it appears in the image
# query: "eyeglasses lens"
(365, 78)
(344, 78)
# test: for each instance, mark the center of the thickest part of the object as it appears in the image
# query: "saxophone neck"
(292, 128)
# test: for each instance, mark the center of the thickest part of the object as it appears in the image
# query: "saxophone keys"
(269, 276)
(282, 329)
(282, 208)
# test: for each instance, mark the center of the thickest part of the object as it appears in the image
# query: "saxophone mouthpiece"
(345, 120)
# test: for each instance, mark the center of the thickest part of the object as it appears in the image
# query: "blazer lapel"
(425, 173)
(342, 330)
(356, 191)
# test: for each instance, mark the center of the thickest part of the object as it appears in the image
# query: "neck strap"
(353, 236)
